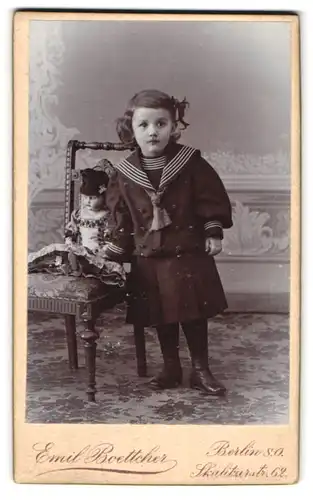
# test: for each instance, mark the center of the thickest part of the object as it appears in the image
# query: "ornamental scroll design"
(48, 137)
(253, 233)
(257, 233)
(229, 163)
(226, 163)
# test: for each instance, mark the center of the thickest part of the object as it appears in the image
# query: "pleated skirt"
(174, 289)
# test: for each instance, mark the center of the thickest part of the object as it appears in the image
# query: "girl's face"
(152, 130)
(94, 203)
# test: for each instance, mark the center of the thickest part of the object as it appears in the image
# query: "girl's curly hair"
(151, 99)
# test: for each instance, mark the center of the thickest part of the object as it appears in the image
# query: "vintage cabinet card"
(225, 143)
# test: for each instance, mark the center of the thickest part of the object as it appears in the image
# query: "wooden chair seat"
(48, 286)
(80, 300)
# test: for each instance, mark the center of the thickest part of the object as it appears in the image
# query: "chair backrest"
(72, 174)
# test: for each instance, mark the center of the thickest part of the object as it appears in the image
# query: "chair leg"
(139, 334)
(89, 337)
(70, 327)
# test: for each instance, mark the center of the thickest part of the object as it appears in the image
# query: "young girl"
(86, 235)
(169, 208)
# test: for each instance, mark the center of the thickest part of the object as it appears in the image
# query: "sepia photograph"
(160, 178)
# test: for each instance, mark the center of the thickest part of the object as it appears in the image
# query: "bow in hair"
(180, 108)
(104, 165)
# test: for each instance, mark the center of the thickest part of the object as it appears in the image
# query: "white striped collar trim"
(169, 172)
(213, 223)
(175, 165)
(134, 173)
(115, 248)
(152, 167)
(153, 163)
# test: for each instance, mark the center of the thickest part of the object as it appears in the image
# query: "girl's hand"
(213, 246)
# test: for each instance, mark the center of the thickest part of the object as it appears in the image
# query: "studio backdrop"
(236, 77)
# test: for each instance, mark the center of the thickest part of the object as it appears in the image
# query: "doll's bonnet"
(94, 181)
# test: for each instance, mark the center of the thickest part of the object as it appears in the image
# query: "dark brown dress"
(172, 279)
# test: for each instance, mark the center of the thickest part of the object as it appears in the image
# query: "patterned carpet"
(249, 353)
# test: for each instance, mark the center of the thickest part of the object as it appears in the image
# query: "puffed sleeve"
(211, 201)
(121, 241)
(72, 229)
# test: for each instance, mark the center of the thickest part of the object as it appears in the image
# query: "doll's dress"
(84, 252)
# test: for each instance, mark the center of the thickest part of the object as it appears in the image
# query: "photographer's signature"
(103, 457)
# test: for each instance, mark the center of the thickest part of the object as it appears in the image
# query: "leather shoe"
(203, 380)
(167, 379)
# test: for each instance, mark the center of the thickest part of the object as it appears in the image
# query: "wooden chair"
(80, 300)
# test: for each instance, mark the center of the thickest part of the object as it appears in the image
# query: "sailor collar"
(177, 157)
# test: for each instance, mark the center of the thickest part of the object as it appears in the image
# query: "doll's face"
(152, 130)
(94, 203)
